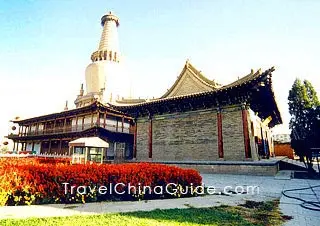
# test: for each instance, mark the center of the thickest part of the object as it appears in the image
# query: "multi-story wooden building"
(50, 134)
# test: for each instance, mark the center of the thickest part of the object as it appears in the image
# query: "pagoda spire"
(109, 45)
(104, 78)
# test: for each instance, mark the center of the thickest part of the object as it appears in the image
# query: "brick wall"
(192, 136)
(232, 132)
(187, 136)
(142, 139)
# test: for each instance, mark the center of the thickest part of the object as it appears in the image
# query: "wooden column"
(117, 126)
(220, 137)
(98, 119)
(83, 122)
(104, 119)
(150, 137)
(37, 128)
(65, 124)
(92, 119)
(135, 139)
(54, 126)
(44, 127)
(60, 147)
(262, 139)
(49, 149)
(76, 123)
(19, 131)
(41, 148)
(246, 138)
(122, 124)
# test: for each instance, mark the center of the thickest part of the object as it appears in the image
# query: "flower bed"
(40, 181)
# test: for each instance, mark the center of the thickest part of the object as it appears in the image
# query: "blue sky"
(46, 45)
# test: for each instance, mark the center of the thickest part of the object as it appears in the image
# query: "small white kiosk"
(88, 149)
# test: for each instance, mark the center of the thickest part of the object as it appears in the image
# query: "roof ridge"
(196, 73)
(200, 75)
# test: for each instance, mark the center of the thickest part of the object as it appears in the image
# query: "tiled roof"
(240, 82)
(69, 113)
(197, 74)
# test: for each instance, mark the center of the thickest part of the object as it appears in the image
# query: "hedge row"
(25, 181)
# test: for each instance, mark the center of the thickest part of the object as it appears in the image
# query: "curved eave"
(250, 82)
(68, 113)
(238, 84)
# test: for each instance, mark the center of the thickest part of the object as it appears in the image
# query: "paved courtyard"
(272, 187)
(269, 188)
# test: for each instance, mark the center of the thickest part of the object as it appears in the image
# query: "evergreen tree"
(304, 123)
(302, 101)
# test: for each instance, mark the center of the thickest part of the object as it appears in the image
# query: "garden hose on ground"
(315, 206)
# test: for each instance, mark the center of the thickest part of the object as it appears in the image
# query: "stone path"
(269, 188)
(272, 187)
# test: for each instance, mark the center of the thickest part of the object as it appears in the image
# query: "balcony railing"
(78, 128)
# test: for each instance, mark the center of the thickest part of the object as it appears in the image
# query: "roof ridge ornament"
(66, 106)
(187, 64)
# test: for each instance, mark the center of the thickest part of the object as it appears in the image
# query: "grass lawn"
(252, 213)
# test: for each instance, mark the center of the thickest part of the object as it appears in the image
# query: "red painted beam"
(246, 138)
(220, 137)
(150, 138)
(135, 140)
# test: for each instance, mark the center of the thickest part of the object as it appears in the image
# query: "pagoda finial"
(66, 106)
(108, 17)
(81, 90)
